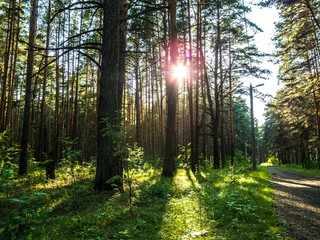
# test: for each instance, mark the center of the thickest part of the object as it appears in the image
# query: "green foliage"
(273, 161)
(299, 168)
(36, 173)
(239, 156)
(131, 166)
(241, 124)
(8, 149)
(71, 155)
(28, 211)
(116, 136)
(184, 156)
(291, 118)
(214, 204)
(7, 175)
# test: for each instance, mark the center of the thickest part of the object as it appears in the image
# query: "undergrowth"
(213, 204)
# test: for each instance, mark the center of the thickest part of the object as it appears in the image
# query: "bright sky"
(265, 19)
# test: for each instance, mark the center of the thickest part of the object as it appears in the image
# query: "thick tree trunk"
(109, 117)
(23, 165)
(122, 48)
(172, 86)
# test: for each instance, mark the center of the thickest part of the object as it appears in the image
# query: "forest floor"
(297, 197)
(233, 203)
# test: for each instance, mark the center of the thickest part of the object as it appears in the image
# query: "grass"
(299, 168)
(213, 204)
(295, 167)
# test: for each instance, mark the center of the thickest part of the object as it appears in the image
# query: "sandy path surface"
(297, 197)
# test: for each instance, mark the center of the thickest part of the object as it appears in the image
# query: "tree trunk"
(172, 86)
(74, 133)
(223, 132)
(122, 48)
(42, 146)
(15, 50)
(137, 100)
(109, 117)
(23, 165)
(5, 77)
(198, 72)
(231, 130)
(190, 97)
(216, 152)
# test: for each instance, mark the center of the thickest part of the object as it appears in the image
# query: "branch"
(146, 11)
(80, 46)
(312, 13)
(80, 34)
(49, 63)
(97, 4)
(91, 58)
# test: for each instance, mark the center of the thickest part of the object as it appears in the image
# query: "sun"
(180, 72)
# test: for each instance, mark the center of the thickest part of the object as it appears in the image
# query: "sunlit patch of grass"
(212, 204)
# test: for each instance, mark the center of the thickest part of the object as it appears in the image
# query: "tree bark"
(109, 117)
(216, 152)
(231, 130)
(122, 48)
(172, 86)
(43, 141)
(23, 164)
(5, 77)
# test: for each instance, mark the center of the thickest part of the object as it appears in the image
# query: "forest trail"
(297, 197)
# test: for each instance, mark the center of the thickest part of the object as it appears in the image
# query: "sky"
(265, 19)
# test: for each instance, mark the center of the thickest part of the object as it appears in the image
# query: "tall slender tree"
(23, 165)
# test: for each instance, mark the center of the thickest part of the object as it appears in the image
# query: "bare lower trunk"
(109, 117)
(23, 165)
(172, 86)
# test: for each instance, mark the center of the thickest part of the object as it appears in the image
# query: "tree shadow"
(87, 213)
(298, 206)
(234, 208)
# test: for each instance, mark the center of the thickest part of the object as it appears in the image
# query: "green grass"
(293, 167)
(299, 168)
(213, 204)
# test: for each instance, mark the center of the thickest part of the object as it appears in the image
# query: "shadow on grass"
(82, 213)
(236, 209)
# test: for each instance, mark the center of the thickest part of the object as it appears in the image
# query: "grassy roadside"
(213, 204)
(297, 168)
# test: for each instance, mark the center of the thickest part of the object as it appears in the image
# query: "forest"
(128, 119)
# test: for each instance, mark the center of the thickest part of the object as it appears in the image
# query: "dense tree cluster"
(292, 128)
(102, 73)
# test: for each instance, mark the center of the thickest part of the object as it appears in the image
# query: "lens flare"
(180, 72)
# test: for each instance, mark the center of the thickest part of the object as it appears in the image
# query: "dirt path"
(297, 197)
